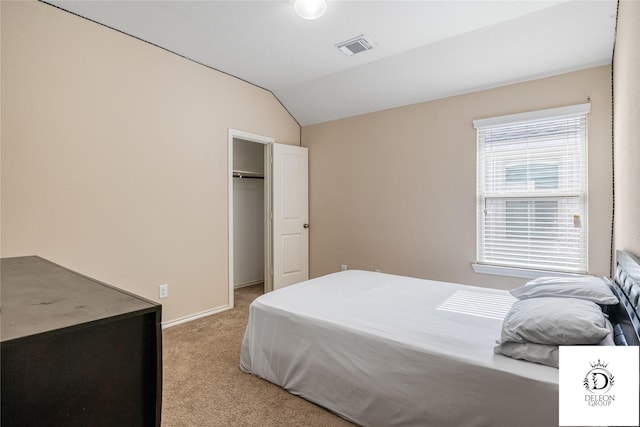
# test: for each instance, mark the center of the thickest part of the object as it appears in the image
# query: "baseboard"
(195, 316)
(244, 285)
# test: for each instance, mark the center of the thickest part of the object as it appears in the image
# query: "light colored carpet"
(204, 386)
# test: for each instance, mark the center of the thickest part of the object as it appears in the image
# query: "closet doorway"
(271, 237)
(249, 204)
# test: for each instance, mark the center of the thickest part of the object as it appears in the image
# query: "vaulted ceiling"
(424, 50)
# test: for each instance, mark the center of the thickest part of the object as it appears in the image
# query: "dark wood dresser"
(76, 352)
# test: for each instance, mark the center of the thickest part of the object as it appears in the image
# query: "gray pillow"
(544, 354)
(585, 287)
(555, 321)
(609, 339)
(532, 352)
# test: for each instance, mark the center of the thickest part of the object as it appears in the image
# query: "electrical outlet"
(163, 291)
(343, 267)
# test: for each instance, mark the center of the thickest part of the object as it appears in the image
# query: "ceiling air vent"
(355, 45)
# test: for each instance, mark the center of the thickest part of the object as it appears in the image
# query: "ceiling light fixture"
(310, 9)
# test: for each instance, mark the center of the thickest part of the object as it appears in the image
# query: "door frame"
(247, 136)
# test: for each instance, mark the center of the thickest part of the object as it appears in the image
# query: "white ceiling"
(425, 49)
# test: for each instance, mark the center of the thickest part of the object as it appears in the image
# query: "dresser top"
(38, 296)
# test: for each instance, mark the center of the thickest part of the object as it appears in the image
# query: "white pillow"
(609, 339)
(545, 354)
(555, 321)
(539, 353)
(584, 287)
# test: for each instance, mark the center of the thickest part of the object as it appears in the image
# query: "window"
(525, 215)
(532, 190)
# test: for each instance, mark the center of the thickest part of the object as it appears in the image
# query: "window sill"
(516, 272)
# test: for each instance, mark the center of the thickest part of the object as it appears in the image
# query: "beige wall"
(626, 80)
(114, 156)
(396, 189)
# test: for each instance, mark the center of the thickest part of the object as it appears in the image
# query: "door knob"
(306, 226)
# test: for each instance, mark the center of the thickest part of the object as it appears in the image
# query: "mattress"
(386, 350)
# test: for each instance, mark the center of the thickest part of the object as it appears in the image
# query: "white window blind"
(532, 190)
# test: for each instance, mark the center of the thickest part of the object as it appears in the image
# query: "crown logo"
(599, 364)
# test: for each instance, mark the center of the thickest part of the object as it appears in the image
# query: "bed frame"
(625, 316)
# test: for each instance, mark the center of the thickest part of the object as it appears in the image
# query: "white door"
(290, 215)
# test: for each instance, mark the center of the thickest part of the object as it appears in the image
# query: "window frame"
(523, 269)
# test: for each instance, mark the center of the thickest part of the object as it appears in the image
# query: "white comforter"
(385, 350)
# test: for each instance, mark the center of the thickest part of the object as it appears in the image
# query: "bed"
(385, 350)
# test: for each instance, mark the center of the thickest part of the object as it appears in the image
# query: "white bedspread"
(385, 350)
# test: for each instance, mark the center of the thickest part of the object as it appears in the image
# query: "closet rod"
(238, 175)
